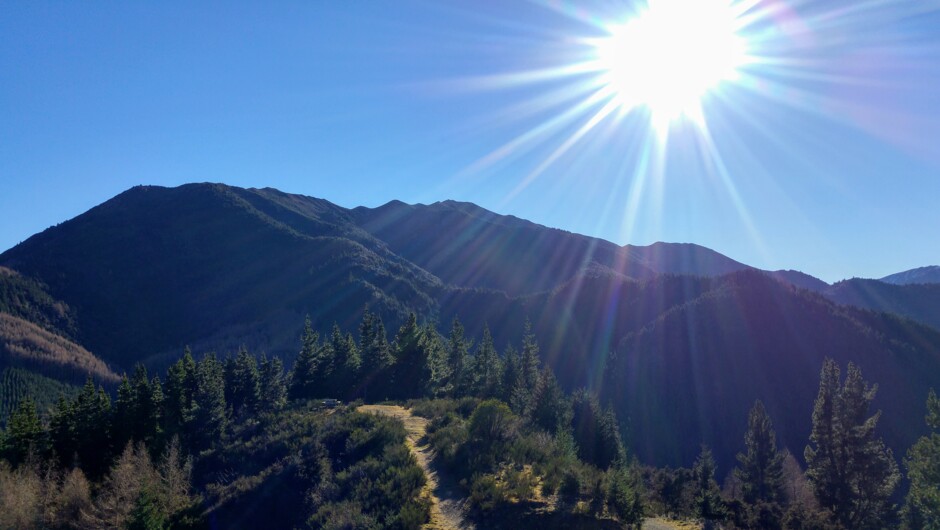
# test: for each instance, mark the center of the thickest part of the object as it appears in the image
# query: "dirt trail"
(447, 502)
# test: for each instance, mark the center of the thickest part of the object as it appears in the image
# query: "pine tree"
(245, 382)
(25, 434)
(436, 353)
(343, 380)
(273, 391)
(92, 416)
(708, 504)
(62, 432)
(303, 382)
(625, 495)
(178, 396)
(511, 373)
(520, 399)
(922, 509)
(411, 373)
(487, 372)
(209, 419)
(852, 473)
(596, 432)
(550, 408)
(146, 413)
(761, 469)
(125, 413)
(457, 353)
(376, 356)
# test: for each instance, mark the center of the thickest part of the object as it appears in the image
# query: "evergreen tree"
(25, 434)
(436, 353)
(708, 504)
(511, 374)
(145, 411)
(411, 373)
(550, 408)
(851, 471)
(245, 382)
(487, 372)
(761, 469)
(92, 429)
(377, 357)
(458, 348)
(125, 413)
(596, 432)
(343, 380)
(303, 381)
(520, 400)
(273, 387)
(625, 495)
(178, 397)
(62, 432)
(922, 509)
(209, 407)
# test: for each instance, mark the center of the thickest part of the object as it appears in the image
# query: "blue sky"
(824, 158)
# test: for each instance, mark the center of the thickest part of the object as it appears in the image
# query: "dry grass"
(25, 342)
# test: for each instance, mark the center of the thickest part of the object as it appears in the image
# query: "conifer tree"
(343, 355)
(511, 374)
(376, 356)
(761, 467)
(436, 353)
(520, 399)
(487, 372)
(851, 471)
(246, 383)
(62, 432)
(411, 373)
(25, 434)
(708, 504)
(457, 354)
(92, 429)
(922, 509)
(178, 396)
(550, 408)
(596, 432)
(125, 413)
(273, 387)
(209, 407)
(303, 382)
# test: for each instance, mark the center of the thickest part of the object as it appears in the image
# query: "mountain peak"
(928, 274)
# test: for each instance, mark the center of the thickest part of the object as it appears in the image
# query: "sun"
(670, 55)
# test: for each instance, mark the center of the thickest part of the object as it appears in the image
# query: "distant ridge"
(929, 274)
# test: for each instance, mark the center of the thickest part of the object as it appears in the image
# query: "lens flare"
(670, 55)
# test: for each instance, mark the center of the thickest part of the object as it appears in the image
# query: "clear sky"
(821, 153)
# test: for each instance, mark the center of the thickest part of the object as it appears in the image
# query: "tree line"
(851, 474)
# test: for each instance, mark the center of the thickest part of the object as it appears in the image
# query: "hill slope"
(930, 274)
(216, 267)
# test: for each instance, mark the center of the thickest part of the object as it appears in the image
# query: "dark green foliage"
(625, 495)
(487, 369)
(852, 473)
(178, 397)
(551, 410)
(209, 417)
(29, 299)
(459, 381)
(596, 432)
(24, 435)
(81, 431)
(410, 373)
(526, 373)
(273, 384)
(146, 515)
(922, 509)
(377, 358)
(342, 355)
(244, 384)
(306, 380)
(17, 383)
(761, 466)
(707, 502)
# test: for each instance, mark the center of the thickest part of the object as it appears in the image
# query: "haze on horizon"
(812, 147)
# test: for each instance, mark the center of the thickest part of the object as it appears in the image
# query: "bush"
(486, 493)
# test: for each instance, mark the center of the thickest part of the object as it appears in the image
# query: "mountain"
(920, 302)
(140, 276)
(930, 274)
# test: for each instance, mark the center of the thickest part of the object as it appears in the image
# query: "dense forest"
(241, 442)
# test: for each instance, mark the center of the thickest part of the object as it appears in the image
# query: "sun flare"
(670, 55)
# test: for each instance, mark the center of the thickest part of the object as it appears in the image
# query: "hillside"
(930, 274)
(217, 267)
(920, 302)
